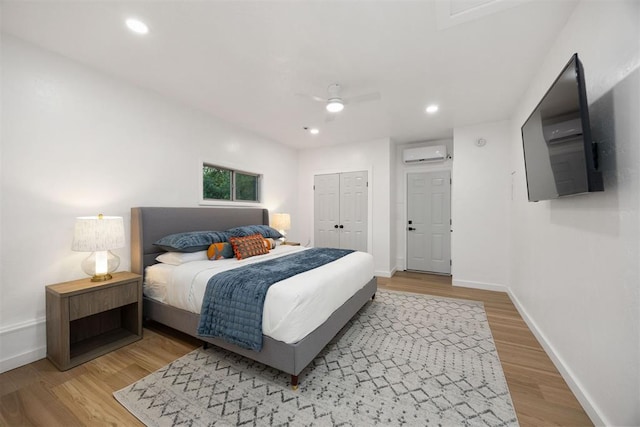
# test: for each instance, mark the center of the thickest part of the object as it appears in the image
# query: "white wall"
(77, 142)
(400, 191)
(373, 156)
(575, 271)
(480, 194)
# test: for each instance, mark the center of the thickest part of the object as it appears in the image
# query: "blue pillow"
(191, 241)
(249, 230)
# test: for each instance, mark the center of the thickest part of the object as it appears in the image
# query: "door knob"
(335, 226)
(341, 226)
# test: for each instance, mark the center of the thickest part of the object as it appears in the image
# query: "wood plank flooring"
(540, 395)
(39, 395)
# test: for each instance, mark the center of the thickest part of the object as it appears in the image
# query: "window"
(227, 184)
(246, 186)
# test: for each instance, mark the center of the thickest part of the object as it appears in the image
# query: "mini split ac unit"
(424, 154)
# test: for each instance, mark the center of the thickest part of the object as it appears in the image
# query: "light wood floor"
(38, 394)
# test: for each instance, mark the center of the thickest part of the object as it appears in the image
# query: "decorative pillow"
(177, 258)
(246, 247)
(248, 230)
(269, 243)
(220, 250)
(191, 241)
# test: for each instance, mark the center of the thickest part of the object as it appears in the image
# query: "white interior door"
(353, 211)
(429, 221)
(326, 208)
(341, 210)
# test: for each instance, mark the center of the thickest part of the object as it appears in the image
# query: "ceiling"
(245, 61)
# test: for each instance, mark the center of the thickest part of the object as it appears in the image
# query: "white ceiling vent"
(424, 154)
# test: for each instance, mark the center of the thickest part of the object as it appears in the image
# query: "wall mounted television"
(560, 157)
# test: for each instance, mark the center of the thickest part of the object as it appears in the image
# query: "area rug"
(404, 359)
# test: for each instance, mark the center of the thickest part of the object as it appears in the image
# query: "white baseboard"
(22, 343)
(479, 285)
(590, 408)
(381, 273)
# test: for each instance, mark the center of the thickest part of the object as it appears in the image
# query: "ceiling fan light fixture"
(335, 105)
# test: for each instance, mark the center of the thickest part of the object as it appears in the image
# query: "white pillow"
(177, 258)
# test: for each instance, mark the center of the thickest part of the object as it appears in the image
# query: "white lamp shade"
(98, 233)
(281, 221)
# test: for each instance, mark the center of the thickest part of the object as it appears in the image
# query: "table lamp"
(99, 234)
(282, 223)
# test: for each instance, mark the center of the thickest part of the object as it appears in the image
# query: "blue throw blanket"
(234, 300)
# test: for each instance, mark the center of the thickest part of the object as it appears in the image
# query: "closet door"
(353, 211)
(340, 210)
(326, 208)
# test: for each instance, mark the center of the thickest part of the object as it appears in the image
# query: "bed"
(149, 224)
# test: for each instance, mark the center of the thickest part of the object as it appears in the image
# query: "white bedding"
(293, 307)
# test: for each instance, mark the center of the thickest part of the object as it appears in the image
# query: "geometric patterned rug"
(404, 359)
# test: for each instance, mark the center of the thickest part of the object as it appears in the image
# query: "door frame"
(405, 210)
(369, 170)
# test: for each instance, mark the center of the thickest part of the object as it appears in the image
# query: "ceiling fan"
(334, 103)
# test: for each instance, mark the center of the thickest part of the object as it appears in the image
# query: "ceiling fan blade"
(312, 97)
(373, 96)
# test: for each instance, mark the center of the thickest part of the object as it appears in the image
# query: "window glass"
(216, 183)
(246, 187)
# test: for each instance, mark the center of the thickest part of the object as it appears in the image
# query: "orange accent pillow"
(269, 243)
(246, 247)
(220, 250)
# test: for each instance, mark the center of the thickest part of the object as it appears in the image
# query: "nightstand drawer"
(100, 300)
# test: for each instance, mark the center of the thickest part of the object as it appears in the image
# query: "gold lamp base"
(101, 277)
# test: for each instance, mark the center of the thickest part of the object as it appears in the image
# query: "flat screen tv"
(559, 156)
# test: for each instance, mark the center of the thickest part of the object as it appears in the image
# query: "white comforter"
(293, 307)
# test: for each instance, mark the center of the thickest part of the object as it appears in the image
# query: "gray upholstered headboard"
(150, 224)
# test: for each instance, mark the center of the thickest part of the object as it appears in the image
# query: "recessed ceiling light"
(137, 26)
(314, 131)
(432, 109)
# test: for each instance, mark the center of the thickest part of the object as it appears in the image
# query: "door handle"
(411, 229)
(341, 226)
(335, 226)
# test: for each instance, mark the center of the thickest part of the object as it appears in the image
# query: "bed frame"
(148, 224)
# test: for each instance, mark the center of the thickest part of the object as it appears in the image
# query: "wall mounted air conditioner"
(424, 154)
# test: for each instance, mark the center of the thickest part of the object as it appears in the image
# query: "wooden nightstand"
(288, 243)
(87, 319)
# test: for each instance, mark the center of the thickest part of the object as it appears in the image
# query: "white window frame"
(233, 201)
